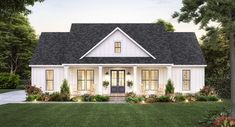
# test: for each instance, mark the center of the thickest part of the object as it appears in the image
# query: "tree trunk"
(232, 65)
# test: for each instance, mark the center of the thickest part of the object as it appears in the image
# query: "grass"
(106, 115)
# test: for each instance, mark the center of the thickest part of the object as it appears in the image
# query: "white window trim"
(116, 29)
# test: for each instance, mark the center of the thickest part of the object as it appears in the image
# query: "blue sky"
(57, 15)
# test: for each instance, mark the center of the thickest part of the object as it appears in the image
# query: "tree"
(221, 11)
(9, 7)
(17, 41)
(216, 51)
(168, 26)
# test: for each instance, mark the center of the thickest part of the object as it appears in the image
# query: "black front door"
(117, 81)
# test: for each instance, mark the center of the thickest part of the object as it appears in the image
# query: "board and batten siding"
(197, 79)
(38, 77)
(128, 47)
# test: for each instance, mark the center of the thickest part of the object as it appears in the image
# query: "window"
(186, 79)
(150, 79)
(49, 80)
(117, 47)
(85, 78)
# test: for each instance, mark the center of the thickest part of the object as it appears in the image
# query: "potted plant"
(105, 84)
(129, 83)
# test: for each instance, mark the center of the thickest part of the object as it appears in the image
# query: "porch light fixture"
(128, 73)
(107, 73)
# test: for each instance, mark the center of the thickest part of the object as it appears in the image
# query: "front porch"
(88, 79)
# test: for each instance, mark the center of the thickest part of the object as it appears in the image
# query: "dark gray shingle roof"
(168, 48)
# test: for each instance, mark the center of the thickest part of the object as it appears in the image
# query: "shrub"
(164, 99)
(33, 90)
(32, 97)
(129, 83)
(87, 97)
(190, 97)
(224, 121)
(207, 91)
(131, 97)
(101, 98)
(9, 81)
(77, 99)
(64, 91)
(55, 96)
(130, 94)
(44, 97)
(213, 98)
(105, 84)
(134, 99)
(169, 87)
(213, 118)
(151, 98)
(179, 98)
(201, 98)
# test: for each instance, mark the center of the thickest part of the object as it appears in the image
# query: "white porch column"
(169, 72)
(100, 85)
(135, 79)
(66, 68)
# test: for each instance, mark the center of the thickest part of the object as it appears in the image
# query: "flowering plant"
(224, 121)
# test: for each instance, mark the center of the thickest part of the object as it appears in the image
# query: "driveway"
(12, 97)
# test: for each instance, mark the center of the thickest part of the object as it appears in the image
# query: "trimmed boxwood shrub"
(55, 96)
(32, 97)
(180, 98)
(201, 98)
(207, 98)
(101, 98)
(134, 99)
(9, 81)
(87, 97)
(213, 98)
(164, 99)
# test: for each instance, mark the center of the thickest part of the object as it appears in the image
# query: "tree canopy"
(8, 7)
(17, 41)
(204, 12)
(168, 26)
(216, 51)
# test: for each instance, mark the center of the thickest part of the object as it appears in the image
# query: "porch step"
(117, 95)
(116, 99)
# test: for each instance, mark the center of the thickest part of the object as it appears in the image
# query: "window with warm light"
(85, 79)
(49, 80)
(150, 79)
(117, 47)
(186, 74)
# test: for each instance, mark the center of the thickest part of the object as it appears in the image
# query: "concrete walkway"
(12, 97)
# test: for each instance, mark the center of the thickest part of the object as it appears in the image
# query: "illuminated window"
(150, 79)
(186, 74)
(49, 80)
(85, 79)
(117, 47)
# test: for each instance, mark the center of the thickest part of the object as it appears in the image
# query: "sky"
(58, 15)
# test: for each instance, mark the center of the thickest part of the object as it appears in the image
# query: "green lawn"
(105, 115)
